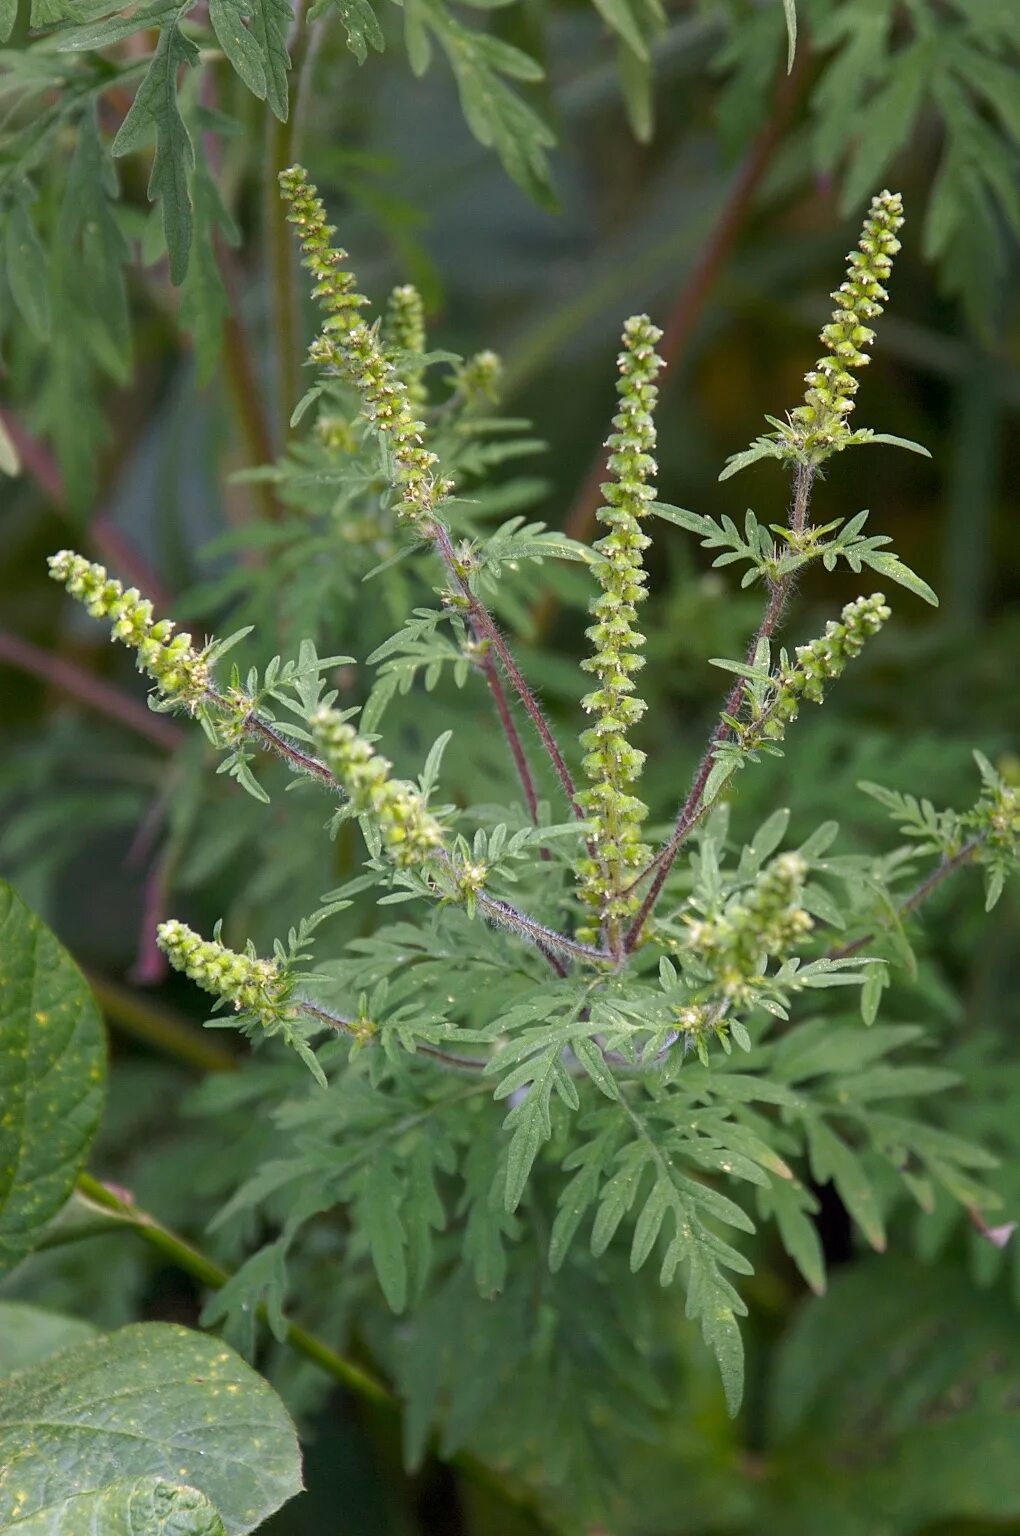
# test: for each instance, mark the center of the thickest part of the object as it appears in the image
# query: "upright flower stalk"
(404, 333)
(612, 764)
(819, 427)
(354, 351)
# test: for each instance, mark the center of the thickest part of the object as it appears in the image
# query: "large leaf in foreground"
(52, 1074)
(146, 1506)
(150, 1401)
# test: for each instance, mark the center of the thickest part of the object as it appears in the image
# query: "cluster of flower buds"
(768, 921)
(409, 832)
(612, 764)
(478, 377)
(354, 351)
(819, 662)
(823, 660)
(404, 334)
(180, 671)
(256, 987)
(819, 426)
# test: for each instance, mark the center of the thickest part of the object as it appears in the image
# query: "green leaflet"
(155, 1402)
(27, 269)
(497, 116)
(156, 110)
(359, 21)
(52, 1076)
(253, 35)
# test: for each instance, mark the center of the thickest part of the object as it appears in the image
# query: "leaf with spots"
(146, 1506)
(135, 1420)
(52, 1076)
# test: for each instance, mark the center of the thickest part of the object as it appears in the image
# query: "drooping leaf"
(52, 1076)
(156, 111)
(144, 1506)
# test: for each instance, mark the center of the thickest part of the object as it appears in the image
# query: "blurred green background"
(728, 227)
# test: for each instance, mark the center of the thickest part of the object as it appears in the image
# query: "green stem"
(282, 286)
(347, 1373)
(159, 1027)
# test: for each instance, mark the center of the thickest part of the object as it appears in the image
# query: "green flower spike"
(767, 921)
(354, 351)
(823, 660)
(404, 333)
(410, 833)
(612, 765)
(253, 986)
(180, 672)
(819, 426)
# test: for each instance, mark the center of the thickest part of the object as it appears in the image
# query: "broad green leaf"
(52, 1076)
(8, 16)
(27, 270)
(28, 1334)
(150, 1401)
(144, 1506)
(156, 109)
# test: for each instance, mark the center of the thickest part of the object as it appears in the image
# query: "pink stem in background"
(80, 685)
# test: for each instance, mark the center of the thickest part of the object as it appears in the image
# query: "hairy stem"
(512, 735)
(692, 807)
(486, 627)
(343, 1026)
(919, 894)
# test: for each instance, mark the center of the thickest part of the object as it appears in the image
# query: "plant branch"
(919, 894)
(512, 734)
(486, 627)
(355, 1378)
(343, 1026)
(692, 808)
(87, 689)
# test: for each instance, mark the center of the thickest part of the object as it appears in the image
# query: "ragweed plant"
(657, 1022)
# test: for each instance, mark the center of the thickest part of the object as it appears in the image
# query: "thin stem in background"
(159, 1027)
(486, 626)
(85, 688)
(106, 538)
(283, 293)
(355, 1378)
(689, 306)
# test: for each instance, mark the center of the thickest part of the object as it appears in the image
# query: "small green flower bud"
(353, 350)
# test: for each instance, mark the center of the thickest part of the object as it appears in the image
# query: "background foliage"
(152, 333)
